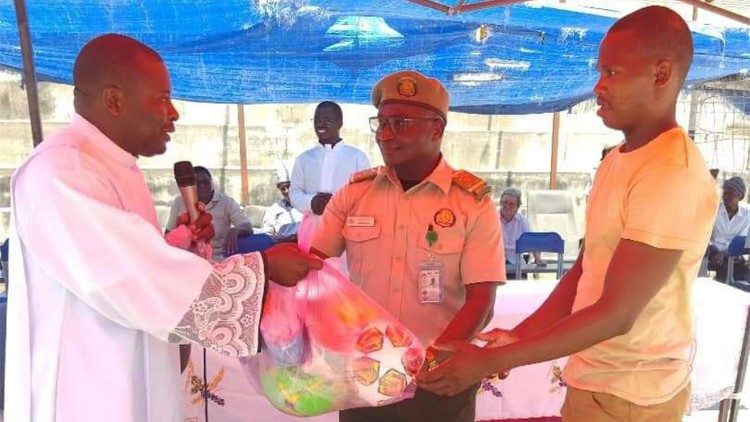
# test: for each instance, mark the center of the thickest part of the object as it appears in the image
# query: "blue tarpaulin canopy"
(505, 60)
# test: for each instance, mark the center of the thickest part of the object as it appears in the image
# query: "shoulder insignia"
(471, 183)
(363, 175)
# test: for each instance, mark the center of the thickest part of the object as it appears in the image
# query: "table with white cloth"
(531, 391)
(720, 314)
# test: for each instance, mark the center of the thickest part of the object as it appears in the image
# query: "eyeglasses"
(396, 124)
(511, 204)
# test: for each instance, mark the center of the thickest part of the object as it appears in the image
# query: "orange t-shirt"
(662, 195)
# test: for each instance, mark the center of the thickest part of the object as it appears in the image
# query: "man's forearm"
(627, 291)
(244, 283)
(472, 316)
(571, 334)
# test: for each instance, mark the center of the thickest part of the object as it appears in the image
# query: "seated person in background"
(281, 218)
(514, 225)
(229, 220)
(733, 219)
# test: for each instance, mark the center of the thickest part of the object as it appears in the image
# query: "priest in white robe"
(98, 294)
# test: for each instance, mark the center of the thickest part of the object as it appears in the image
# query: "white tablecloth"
(719, 311)
(531, 391)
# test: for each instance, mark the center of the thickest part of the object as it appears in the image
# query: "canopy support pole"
(555, 143)
(718, 10)
(460, 7)
(29, 75)
(243, 154)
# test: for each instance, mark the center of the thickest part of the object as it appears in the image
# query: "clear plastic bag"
(327, 346)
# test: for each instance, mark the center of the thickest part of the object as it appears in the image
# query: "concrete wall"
(505, 150)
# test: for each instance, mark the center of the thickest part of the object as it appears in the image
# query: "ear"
(438, 129)
(664, 73)
(112, 99)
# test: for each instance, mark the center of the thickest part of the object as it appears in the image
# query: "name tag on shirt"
(359, 221)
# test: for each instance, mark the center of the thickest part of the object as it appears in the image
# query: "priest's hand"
(459, 372)
(286, 264)
(202, 228)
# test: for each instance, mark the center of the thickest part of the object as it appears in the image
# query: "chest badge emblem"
(445, 218)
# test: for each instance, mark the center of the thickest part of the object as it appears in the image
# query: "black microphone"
(184, 175)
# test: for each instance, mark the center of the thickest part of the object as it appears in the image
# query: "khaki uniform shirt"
(382, 228)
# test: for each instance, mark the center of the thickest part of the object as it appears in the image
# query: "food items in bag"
(337, 317)
(295, 392)
(327, 346)
(283, 335)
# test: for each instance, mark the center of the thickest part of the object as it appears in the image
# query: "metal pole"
(225, 148)
(29, 76)
(734, 407)
(243, 154)
(555, 145)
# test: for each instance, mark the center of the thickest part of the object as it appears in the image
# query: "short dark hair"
(333, 106)
(202, 170)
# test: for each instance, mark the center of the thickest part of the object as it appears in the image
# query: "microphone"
(185, 178)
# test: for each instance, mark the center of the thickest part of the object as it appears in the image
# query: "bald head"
(123, 88)
(660, 34)
(110, 59)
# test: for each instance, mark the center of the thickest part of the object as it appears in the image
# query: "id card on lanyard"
(431, 274)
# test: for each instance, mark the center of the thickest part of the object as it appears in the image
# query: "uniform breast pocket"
(447, 249)
(362, 245)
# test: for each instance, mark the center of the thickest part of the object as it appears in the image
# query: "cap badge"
(407, 87)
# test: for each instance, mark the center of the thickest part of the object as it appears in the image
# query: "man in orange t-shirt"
(623, 311)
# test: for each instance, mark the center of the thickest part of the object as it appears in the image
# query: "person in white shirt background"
(321, 170)
(514, 225)
(281, 218)
(733, 219)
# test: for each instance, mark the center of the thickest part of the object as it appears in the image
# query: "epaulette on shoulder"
(471, 183)
(363, 175)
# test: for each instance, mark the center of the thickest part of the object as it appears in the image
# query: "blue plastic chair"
(736, 248)
(254, 243)
(540, 242)
(4, 261)
(4, 250)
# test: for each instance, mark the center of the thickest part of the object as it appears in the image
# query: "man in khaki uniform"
(421, 238)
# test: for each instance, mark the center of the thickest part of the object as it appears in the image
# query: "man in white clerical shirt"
(98, 293)
(320, 171)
